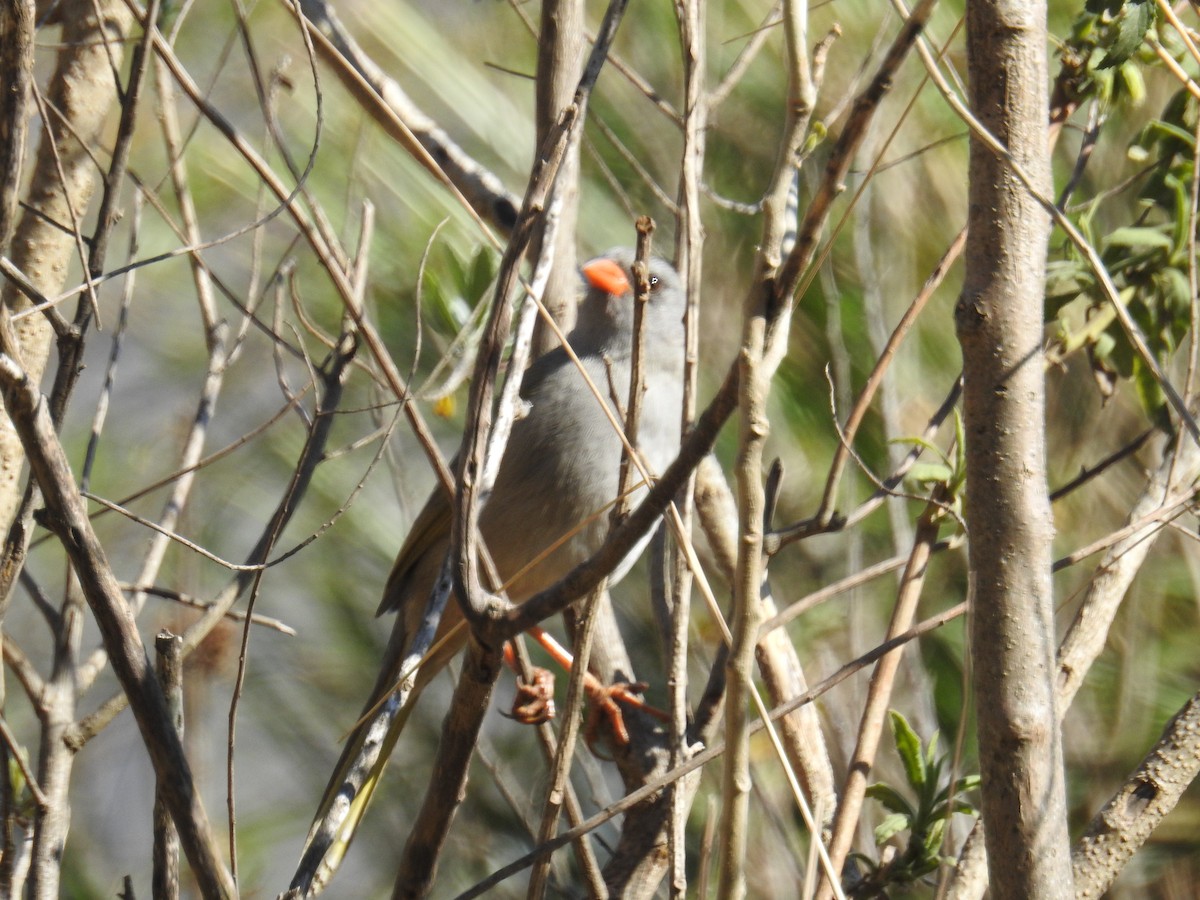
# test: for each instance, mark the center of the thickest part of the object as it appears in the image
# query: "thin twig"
(235, 615)
(689, 242)
(106, 215)
(879, 694)
(875, 378)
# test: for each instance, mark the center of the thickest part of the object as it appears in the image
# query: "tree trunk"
(999, 320)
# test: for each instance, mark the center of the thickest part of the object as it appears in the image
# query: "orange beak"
(607, 276)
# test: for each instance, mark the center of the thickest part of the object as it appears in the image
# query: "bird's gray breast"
(559, 474)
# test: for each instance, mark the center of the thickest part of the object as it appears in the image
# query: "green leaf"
(1150, 394)
(961, 806)
(908, 746)
(483, 271)
(1072, 271)
(922, 443)
(16, 778)
(1130, 75)
(1166, 133)
(964, 785)
(1134, 21)
(1176, 292)
(968, 783)
(1182, 217)
(1058, 301)
(930, 473)
(929, 790)
(1138, 237)
(889, 827)
(933, 838)
(931, 760)
(924, 867)
(816, 134)
(1103, 348)
(891, 799)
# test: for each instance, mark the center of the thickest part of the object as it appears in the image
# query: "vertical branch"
(753, 428)
(55, 760)
(999, 324)
(168, 117)
(556, 791)
(637, 381)
(689, 241)
(560, 63)
(764, 338)
(460, 731)
(165, 880)
(16, 72)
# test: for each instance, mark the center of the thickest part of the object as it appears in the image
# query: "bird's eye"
(653, 282)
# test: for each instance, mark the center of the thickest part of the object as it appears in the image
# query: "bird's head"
(606, 313)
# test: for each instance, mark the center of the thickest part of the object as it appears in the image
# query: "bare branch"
(16, 65)
(1119, 829)
(32, 419)
(689, 245)
(165, 885)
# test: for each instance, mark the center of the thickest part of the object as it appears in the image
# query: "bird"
(558, 477)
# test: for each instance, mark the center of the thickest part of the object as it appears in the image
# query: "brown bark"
(1139, 805)
(999, 321)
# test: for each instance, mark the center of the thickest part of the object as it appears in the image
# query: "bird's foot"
(606, 700)
(533, 703)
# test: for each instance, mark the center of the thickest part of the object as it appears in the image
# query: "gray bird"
(558, 476)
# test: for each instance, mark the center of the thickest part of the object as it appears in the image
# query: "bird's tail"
(349, 792)
(402, 677)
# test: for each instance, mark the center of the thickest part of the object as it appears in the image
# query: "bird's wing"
(430, 533)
